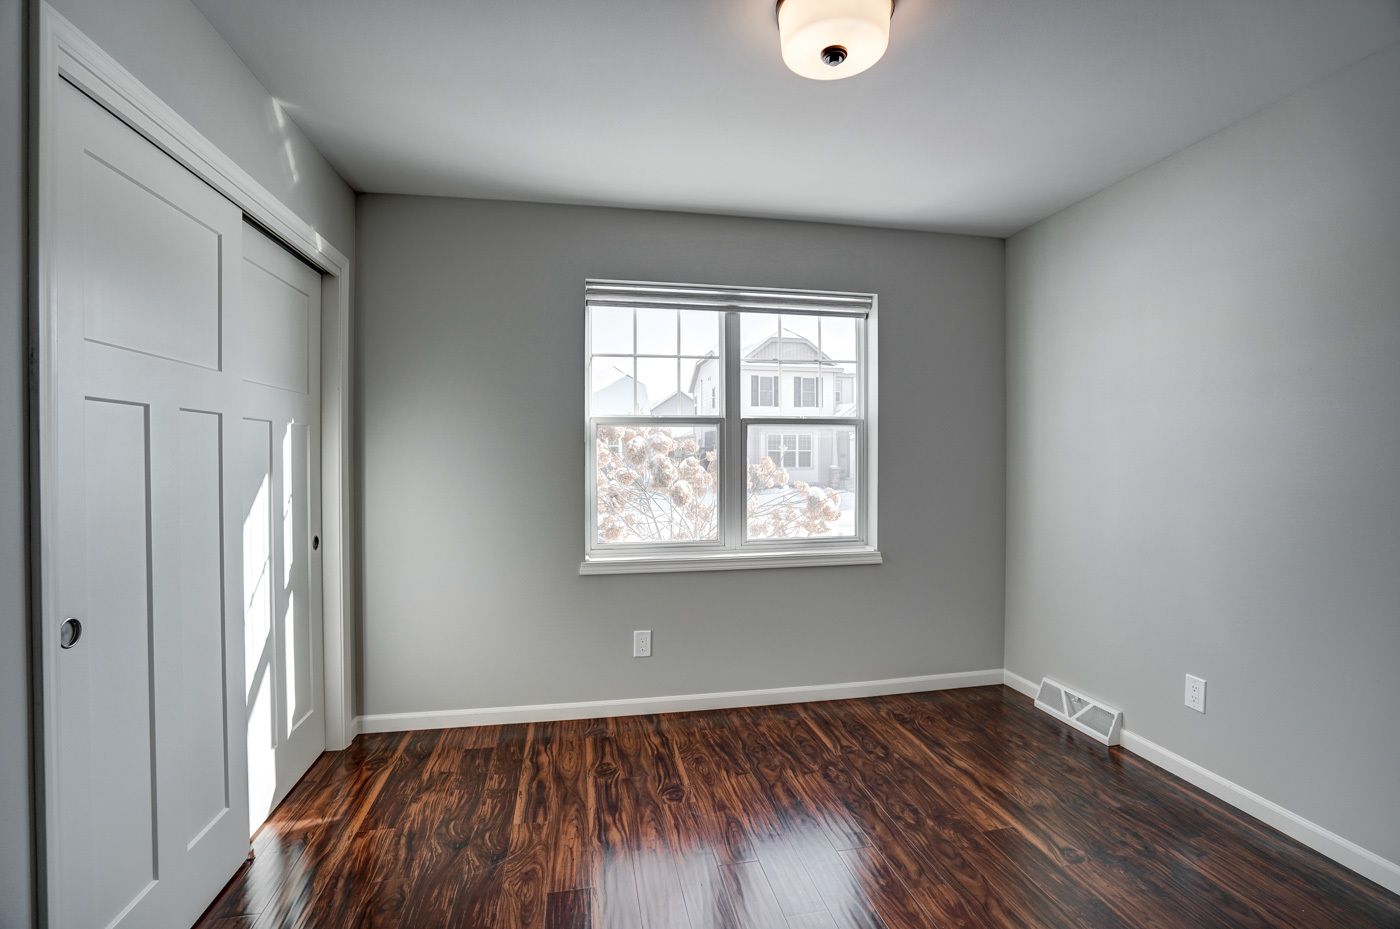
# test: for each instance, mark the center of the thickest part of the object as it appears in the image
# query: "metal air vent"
(1083, 713)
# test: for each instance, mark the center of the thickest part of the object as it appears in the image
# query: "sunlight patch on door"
(259, 642)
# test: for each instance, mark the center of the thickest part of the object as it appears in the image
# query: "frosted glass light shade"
(830, 39)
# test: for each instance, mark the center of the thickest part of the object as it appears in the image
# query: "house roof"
(793, 349)
(667, 399)
(623, 385)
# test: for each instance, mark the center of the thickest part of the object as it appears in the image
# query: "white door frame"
(65, 53)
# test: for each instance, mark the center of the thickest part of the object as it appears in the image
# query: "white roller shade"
(722, 299)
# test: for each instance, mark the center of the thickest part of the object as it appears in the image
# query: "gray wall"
(1204, 451)
(471, 333)
(15, 873)
(172, 49)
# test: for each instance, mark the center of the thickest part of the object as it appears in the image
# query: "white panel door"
(147, 768)
(280, 495)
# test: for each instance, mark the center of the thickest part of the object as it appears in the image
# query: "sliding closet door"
(148, 774)
(280, 487)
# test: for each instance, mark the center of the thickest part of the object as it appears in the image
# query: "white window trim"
(725, 554)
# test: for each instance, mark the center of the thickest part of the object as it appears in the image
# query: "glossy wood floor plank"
(1124, 865)
(231, 922)
(568, 909)
(707, 900)
(812, 921)
(753, 897)
(959, 809)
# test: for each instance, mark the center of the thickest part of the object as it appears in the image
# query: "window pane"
(800, 337)
(612, 331)
(660, 487)
(785, 347)
(802, 392)
(760, 391)
(839, 383)
(799, 390)
(657, 388)
(701, 379)
(839, 338)
(801, 482)
(700, 332)
(690, 381)
(782, 449)
(758, 334)
(612, 387)
(656, 332)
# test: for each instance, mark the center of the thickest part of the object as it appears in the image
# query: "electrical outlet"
(1195, 693)
(641, 643)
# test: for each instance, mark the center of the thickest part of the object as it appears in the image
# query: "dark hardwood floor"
(963, 808)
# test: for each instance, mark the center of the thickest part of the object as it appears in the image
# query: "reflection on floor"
(962, 808)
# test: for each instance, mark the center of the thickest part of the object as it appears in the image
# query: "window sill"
(728, 561)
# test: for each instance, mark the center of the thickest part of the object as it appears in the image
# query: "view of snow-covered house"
(678, 404)
(619, 393)
(797, 372)
(786, 374)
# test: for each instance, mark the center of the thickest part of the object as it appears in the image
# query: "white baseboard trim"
(1343, 851)
(1017, 682)
(637, 706)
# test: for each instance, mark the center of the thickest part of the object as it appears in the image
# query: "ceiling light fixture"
(830, 39)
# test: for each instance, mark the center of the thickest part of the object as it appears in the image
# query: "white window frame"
(775, 391)
(731, 550)
(799, 392)
(795, 449)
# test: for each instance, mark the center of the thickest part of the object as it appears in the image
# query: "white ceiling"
(984, 116)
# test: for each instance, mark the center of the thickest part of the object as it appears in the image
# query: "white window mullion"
(732, 496)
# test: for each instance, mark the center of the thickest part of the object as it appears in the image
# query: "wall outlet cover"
(1196, 693)
(641, 643)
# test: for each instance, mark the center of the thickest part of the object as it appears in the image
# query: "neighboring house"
(790, 378)
(616, 398)
(787, 379)
(679, 403)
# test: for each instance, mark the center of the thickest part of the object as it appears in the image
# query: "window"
(764, 474)
(790, 451)
(763, 391)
